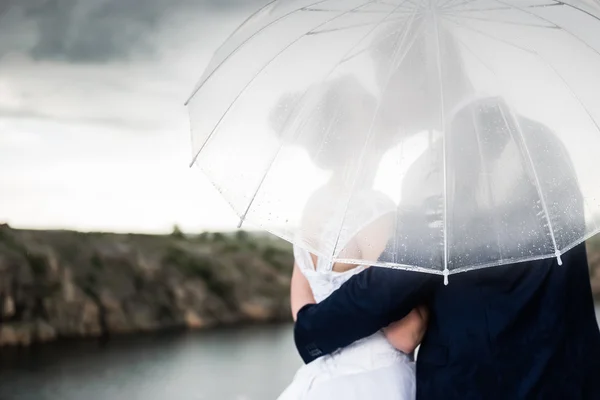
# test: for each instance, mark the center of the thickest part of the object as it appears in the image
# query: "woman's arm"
(300, 293)
(407, 334)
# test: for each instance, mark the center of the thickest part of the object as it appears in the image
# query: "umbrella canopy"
(454, 134)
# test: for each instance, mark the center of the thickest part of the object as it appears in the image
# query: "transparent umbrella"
(433, 135)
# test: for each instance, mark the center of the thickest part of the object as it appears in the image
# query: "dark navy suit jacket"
(520, 331)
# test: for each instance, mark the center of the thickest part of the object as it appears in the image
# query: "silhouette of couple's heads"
(419, 75)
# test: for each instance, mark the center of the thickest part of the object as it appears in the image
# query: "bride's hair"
(334, 122)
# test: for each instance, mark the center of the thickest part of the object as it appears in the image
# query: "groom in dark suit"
(527, 330)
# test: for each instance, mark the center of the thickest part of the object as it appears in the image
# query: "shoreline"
(136, 337)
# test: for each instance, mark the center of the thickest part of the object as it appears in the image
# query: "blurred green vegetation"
(201, 266)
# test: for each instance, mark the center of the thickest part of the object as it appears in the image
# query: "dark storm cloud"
(95, 30)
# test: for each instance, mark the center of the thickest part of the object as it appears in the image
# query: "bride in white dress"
(381, 366)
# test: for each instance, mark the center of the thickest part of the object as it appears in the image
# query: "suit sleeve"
(366, 303)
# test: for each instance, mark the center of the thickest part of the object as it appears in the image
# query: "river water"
(242, 364)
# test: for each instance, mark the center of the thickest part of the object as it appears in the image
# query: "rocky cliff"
(68, 284)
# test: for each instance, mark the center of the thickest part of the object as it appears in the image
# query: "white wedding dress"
(370, 368)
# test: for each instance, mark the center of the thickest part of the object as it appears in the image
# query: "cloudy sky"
(93, 131)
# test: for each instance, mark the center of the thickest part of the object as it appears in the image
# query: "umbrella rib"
(287, 121)
(393, 60)
(453, 3)
(487, 179)
(490, 196)
(577, 98)
(578, 9)
(570, 89)
(538, 185)
(469, 10)
(234, 51)
(296, 40)
(388, 3)
(372, 45)
(358, 12)
(500, 21)
(236, 30)
(354, 26)
(396, 242)
(446, 271)
(506, 42)
(401, 4)
(476, 56)
(405, 5)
